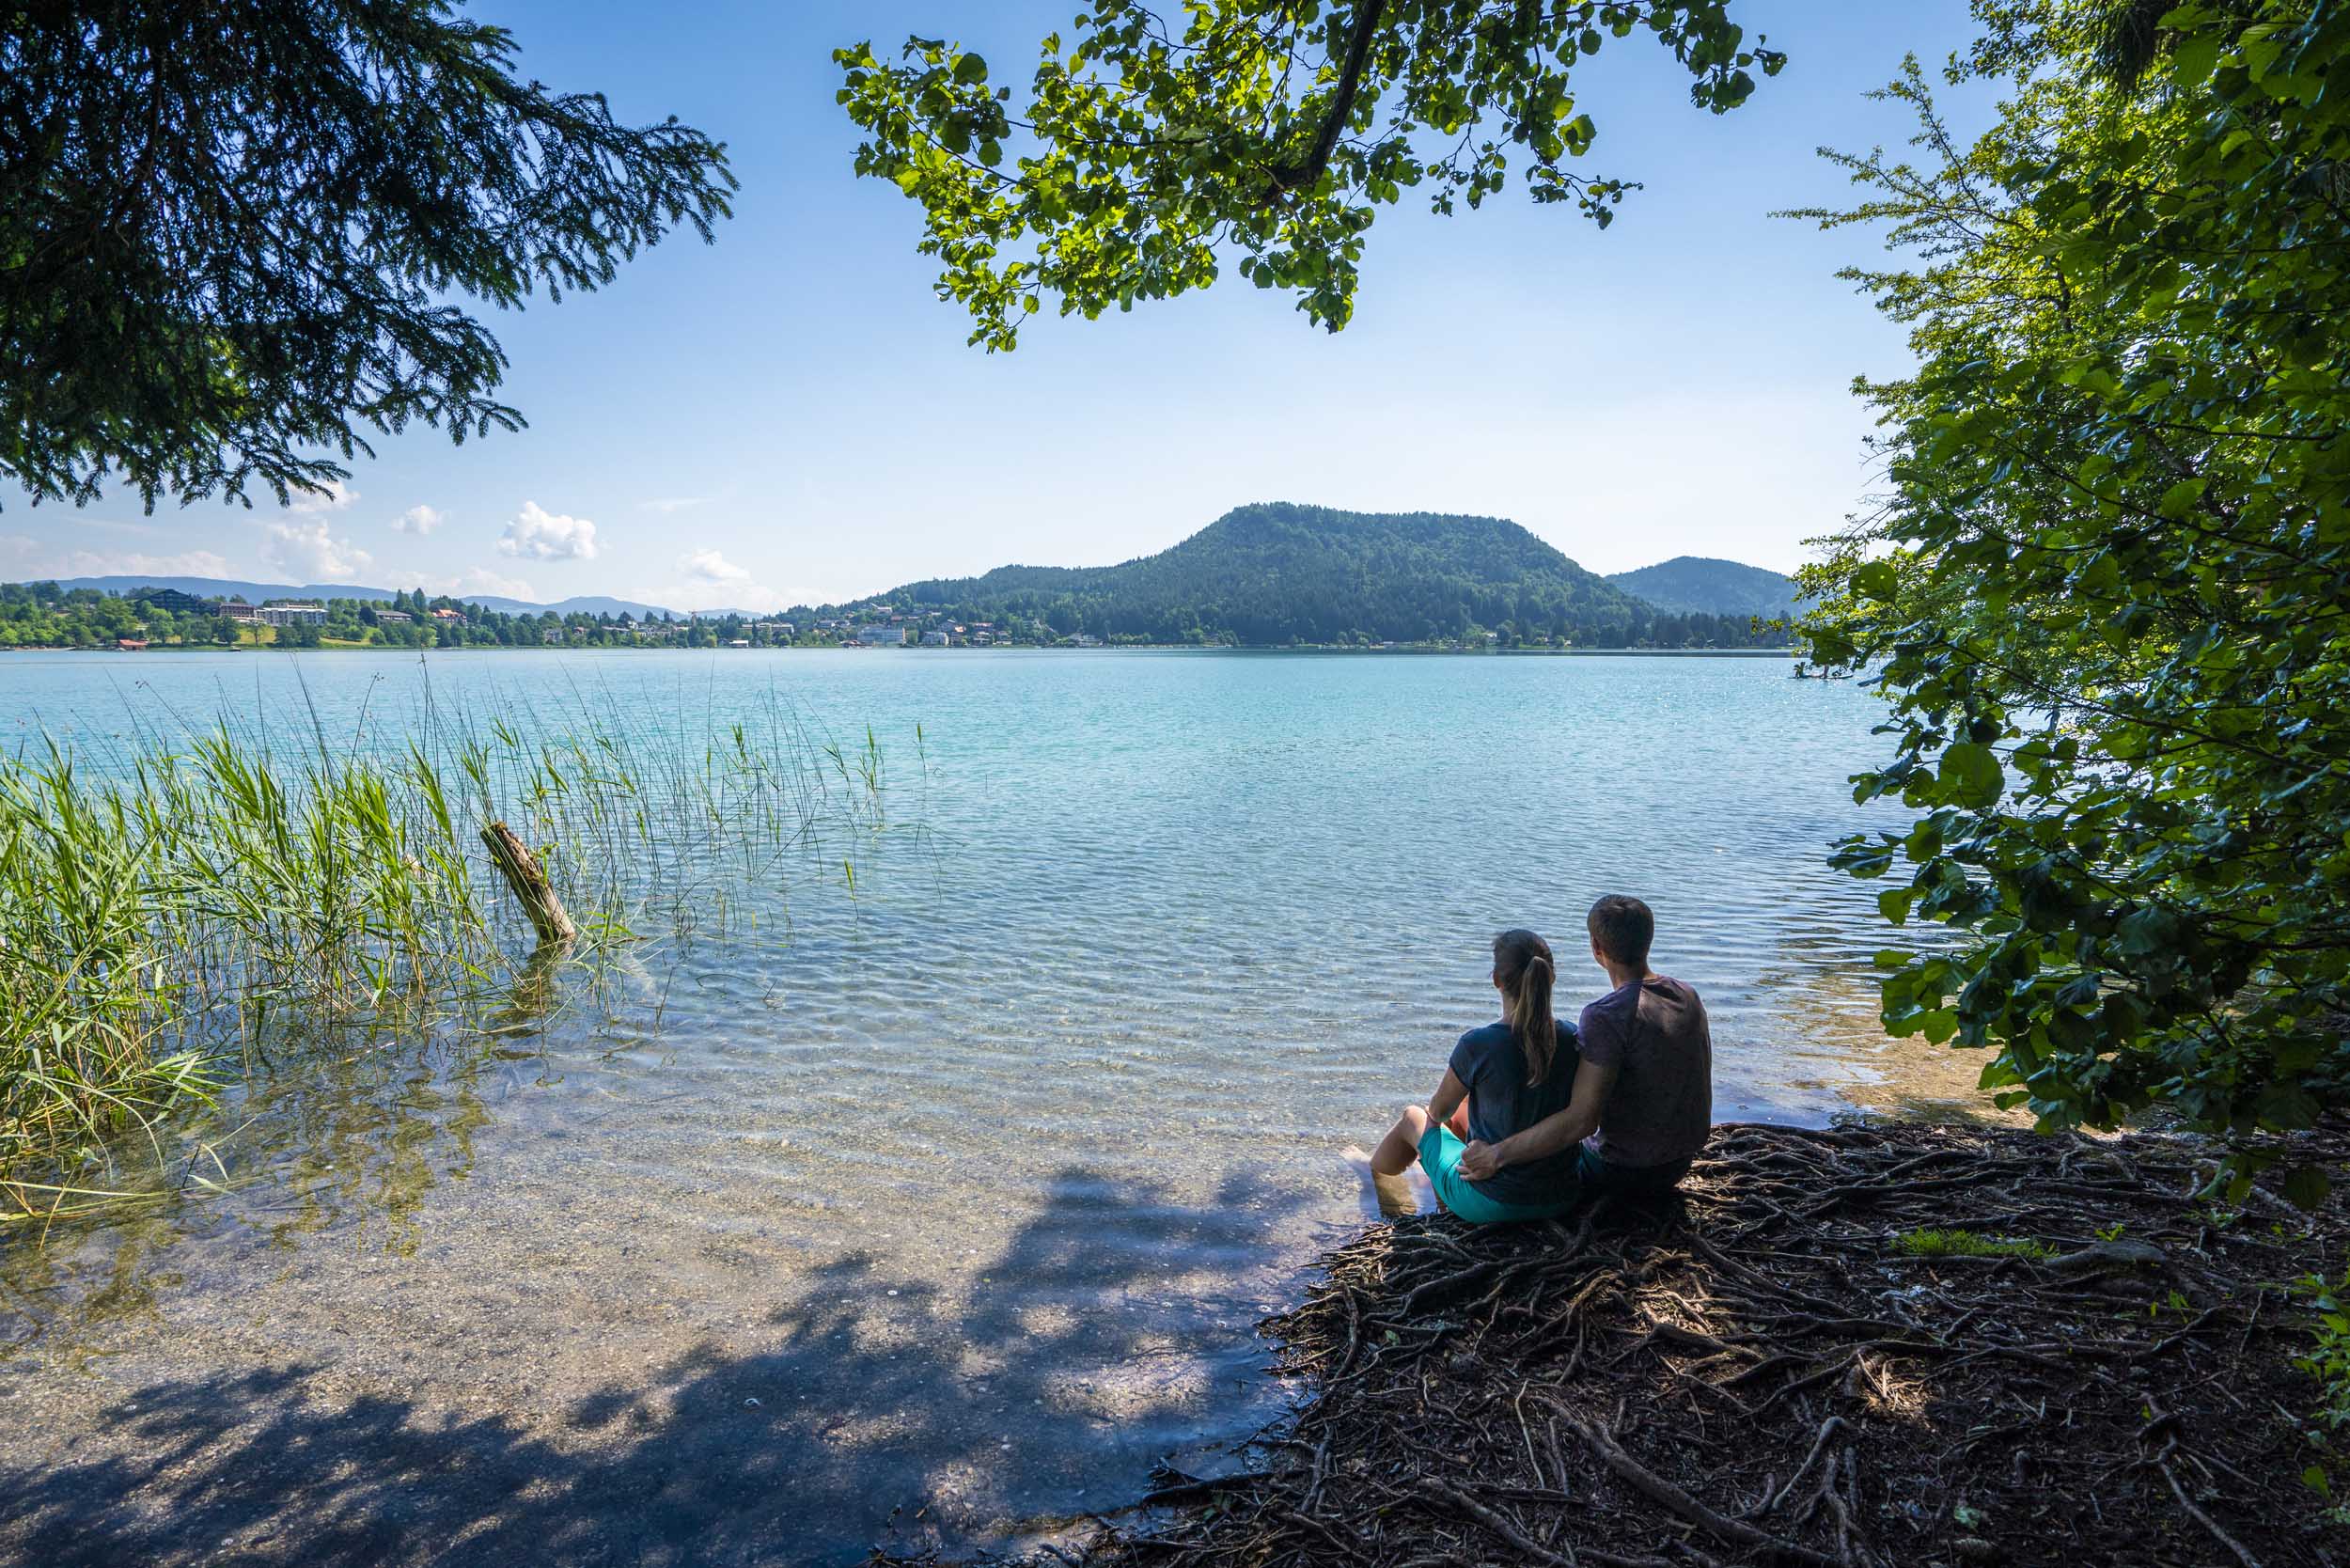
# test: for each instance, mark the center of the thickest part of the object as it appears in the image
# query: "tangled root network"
(1861, 1347)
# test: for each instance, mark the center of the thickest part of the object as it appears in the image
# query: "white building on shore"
(277, 612)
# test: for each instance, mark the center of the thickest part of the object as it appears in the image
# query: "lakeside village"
(39, 616)
(43, 616)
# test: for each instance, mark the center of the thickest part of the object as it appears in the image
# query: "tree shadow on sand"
(865, 1417)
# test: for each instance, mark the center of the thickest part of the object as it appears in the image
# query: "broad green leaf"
(2192, 61)
(1971, 775)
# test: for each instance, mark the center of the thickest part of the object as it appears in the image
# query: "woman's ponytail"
(1523, 964)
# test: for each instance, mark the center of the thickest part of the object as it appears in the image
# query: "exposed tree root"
(1754, 1374)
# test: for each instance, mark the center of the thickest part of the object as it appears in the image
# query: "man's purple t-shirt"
(1654, 1033)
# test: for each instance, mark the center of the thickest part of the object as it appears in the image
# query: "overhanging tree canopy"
(2110, 593)
(1148, 152)
(230, 230)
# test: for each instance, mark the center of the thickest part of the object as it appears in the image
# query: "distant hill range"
(253, 593)
(1276, 574)
(1703, 585)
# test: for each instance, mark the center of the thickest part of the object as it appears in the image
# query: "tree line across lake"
(42, 615)
(45, 615)
(1271, 574)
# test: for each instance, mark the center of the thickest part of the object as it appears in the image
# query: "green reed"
(167, 913)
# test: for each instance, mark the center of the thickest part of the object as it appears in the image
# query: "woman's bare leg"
(1398, 1153)
(1400, 1148)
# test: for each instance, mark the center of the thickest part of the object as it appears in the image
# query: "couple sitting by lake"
(1534, 1115)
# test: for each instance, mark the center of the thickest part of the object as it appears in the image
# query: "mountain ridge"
(1711, 586)
(1270, 573)
(1278, 572)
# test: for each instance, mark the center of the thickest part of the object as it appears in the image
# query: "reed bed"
(171, 911)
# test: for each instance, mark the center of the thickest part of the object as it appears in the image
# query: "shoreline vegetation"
(39, 616)
(1266, 575)
(177, 918)
(1863, 1346)
(1432, 650)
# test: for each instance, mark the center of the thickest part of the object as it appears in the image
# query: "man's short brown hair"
(1623, 927)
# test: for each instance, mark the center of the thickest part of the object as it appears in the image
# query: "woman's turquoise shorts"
(1440, 1157)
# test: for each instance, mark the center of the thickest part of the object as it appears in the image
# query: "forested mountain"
(1277, 573)
(1699, 585)
(1267, 575)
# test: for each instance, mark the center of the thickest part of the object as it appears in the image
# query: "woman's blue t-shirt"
(1491, 1063)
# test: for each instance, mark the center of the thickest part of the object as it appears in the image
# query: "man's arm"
(1552, 1134)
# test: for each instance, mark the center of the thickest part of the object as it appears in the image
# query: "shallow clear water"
(973, 1179)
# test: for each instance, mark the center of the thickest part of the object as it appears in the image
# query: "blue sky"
(790, 415)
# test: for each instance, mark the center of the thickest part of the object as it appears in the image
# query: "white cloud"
(26, 559)
(541, 536)
(312, 553)
(711, 582)
(335, 497)
(709, 566)
(474, 581)
(418, 520)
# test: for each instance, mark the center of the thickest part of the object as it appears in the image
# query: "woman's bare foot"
(1398, 1194)
(1394, 1195)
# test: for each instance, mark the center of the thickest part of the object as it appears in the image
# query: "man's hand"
(1481, 1160)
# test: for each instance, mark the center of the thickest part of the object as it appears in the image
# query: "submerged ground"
(925, 1212)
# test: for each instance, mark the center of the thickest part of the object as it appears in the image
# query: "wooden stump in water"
(530, 883)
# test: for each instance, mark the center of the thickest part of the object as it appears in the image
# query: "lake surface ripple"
(930, 1209)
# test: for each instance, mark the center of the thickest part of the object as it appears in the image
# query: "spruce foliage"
(231, 233)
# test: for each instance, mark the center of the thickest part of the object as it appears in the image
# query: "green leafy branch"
(1145, 154)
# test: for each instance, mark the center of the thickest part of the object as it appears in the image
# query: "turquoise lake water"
(938, 1208)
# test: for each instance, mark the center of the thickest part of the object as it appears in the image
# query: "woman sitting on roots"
(1502, 1077)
